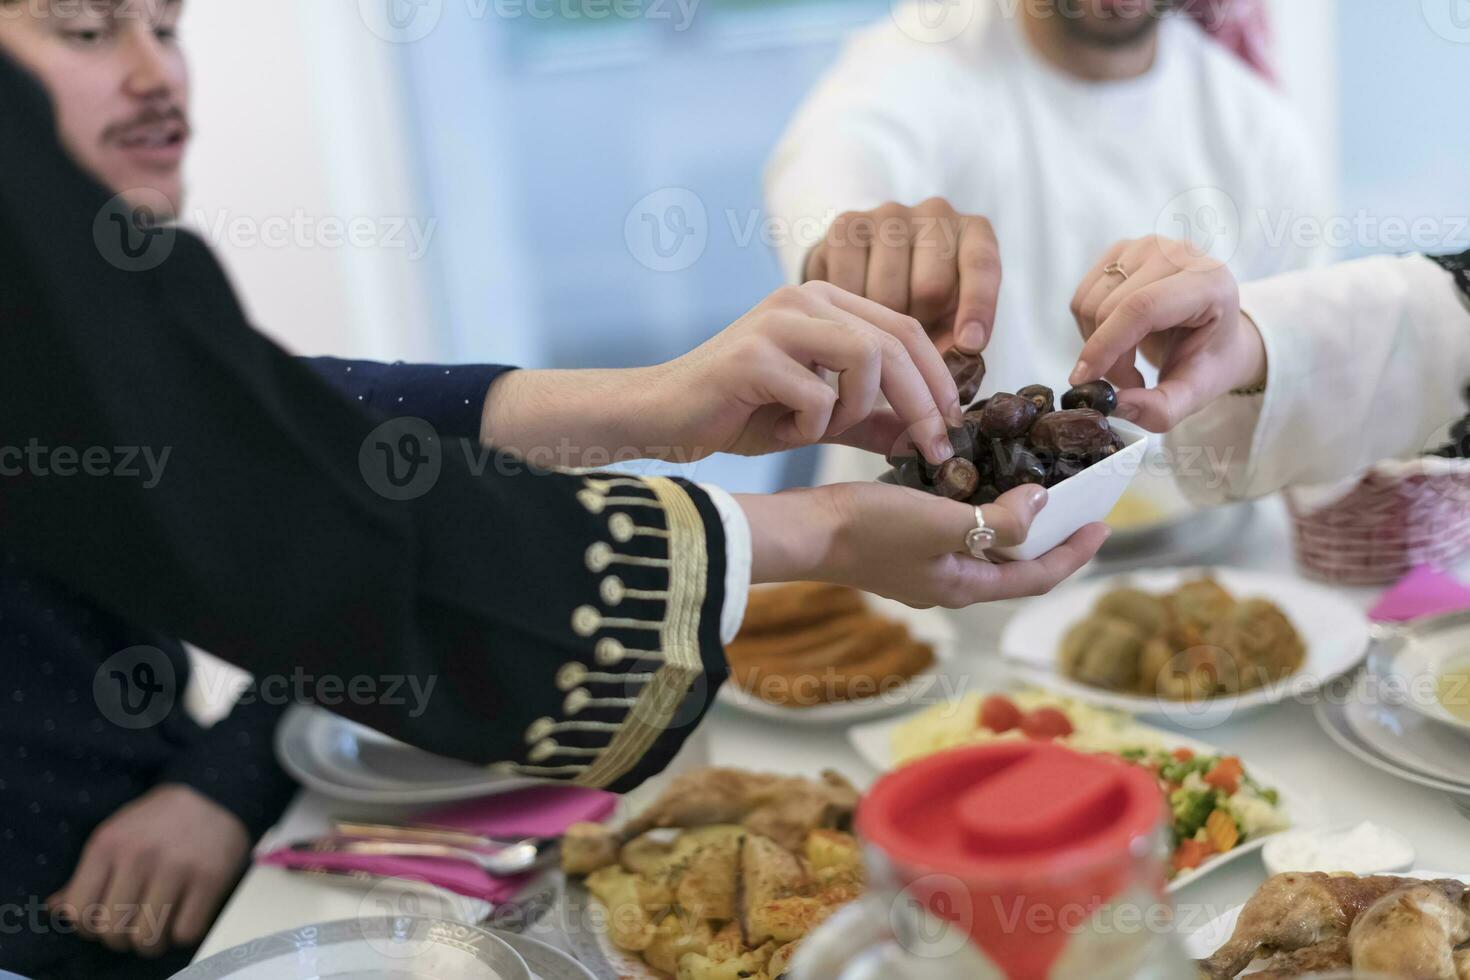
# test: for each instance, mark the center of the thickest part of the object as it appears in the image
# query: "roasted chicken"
(1300, 918)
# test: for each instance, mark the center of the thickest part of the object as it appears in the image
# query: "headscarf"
(1243, 26)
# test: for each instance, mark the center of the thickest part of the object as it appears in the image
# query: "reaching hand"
(1183, 310)
(906, 545)
(928, 261)
(154, 874)
(757, 387)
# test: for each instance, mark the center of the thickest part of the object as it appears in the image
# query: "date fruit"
(957, 478)
(1073, 432)
(1016, 465)
(1096, 395)
(1043, 397)
(1007, 416)
(968, 371)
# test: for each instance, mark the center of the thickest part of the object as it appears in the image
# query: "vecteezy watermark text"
(144, 463)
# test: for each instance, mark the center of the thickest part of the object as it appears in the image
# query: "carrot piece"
(1183, 755)
(1191, 853)
(1221, 830)
(1225, 775)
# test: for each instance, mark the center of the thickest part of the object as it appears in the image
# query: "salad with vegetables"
(1215, 803)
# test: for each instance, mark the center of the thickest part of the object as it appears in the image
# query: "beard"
(1110, 23)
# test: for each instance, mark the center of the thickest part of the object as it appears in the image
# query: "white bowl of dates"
(1070, 446)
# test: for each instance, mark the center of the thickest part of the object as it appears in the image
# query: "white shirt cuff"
(737, 560)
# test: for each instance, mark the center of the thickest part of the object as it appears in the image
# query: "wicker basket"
(1398, 516)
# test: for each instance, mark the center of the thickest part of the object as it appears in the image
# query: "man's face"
(119, 83)
(1110, 23)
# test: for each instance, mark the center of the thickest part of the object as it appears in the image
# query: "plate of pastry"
(1307, 924)
(812, 653)
(722, 876)
(1194, 646)
(1220, 807)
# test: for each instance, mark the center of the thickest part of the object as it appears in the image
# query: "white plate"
(1424, 655)
(545, 961)
(874, 742)
(1407, 737)
(368, 949)
(1335, 631)
(1203, 942)
(347, 761)
(1333, 720)
(931, 626)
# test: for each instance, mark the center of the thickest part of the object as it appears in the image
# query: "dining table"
(1284, 738)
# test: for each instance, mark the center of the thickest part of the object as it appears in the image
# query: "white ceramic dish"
(1335, 631)
(874, 743)
(1210, 936)
(545, 961)
(1086, 498)
(1332, 718)
(347, 761)
(1275, 856)
(1405, 736)
(929, 625)
(1424, 655)
(404, 948)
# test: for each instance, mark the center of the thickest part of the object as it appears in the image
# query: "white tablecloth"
(1285, 739)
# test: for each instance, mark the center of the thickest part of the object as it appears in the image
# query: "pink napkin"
(1423, 592)
(541, 811)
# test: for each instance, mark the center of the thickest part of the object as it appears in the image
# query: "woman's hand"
(903, 544)
(1183, 310)
(759, 386)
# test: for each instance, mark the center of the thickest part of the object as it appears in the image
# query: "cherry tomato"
(1046, 723)
(1183, 755)
(999, 713)
(1225, 775)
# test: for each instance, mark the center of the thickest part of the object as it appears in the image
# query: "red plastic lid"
(1029, 829)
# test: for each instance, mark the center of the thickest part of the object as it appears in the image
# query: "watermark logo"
(133, 231)
(1207, 218)
(136, 688)
(402, 458)
(668, 230)
(933, 21)
(401, 21)
(403, 904)
(1450, 19)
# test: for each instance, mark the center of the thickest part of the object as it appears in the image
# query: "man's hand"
(1182, 310)
(939, 267)
(905, 545)
(154, 874)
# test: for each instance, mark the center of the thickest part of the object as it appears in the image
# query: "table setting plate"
(1332, 718)
(1422, 652)
(1336, 632)
(874, 743)
(396, 948)
(1406, 737)
(932, 626)
(347, 761)
(1178, 533)
(1203, 941)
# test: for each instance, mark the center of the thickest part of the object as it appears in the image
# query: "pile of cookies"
(809, 643)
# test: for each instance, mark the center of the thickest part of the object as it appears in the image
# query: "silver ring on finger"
(981, 538)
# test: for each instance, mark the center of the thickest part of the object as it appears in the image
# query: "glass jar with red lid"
(1013, 861)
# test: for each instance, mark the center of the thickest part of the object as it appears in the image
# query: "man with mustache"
(268, 477)
(966, 138)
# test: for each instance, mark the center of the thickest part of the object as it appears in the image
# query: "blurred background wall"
(530, 148)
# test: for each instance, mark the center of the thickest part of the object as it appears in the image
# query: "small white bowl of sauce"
(1366, 849)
